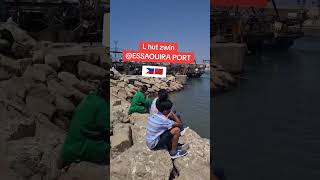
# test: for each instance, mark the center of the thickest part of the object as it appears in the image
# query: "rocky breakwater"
(221, 80)
(131, 158)
(39, 92)
(124, 86)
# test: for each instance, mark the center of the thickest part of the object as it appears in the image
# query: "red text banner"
(158, 52)
(254, 3)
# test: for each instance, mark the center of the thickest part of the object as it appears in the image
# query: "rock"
(114, 90)
(38, 56)
(6, 172)
(49, 163)
(147, 81)
(196, 164)
(23, 64)
(39, 105)
(61, 122)
(137, 83)
(21, 51)
(135, 117)
(118, 114)
(129, 91)
(116, 102)
(38, 72)
(24, 157)
(19, 35)
(116, 74)
(141, 163)
(155, 88)
(15, 89)
(68, 78)
(48, 134)
(89, 71)
(57, 89)
(151, 90)
(113, 82)
(9, 64)
(40, 91)
(139, 131)
(86, 171)
(171, 78)
(121, 84)
(93, 58)
(4, 75)
(64, 105)
(5, 46)
(14, 124)
(121, 139)
(53, 61)
(84, 87)
(122, 93)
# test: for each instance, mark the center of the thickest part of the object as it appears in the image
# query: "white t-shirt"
(153, 108)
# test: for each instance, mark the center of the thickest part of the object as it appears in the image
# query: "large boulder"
(4, 75)
(135, 117)
(138, 163)
(68, 78)
(196, 164)
(63, 105)
(89, 71)
(9, 64)
(19, 35)
(52, 61)
(38, 105)
(121, 139)
(48, 134)
(14, 124)
(38, 72)
(40, 90)
(58, 89)
(49, 163)
(24, 157)
(85, 171)
(139, 131)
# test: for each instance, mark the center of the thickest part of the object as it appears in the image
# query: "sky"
(184, 21)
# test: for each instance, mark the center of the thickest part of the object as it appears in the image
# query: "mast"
(276, 9)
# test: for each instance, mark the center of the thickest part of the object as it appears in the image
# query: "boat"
(311, 27)
(195, 72)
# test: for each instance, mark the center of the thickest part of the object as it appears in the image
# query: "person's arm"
(176, 119)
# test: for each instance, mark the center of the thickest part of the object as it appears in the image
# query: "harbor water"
(269, 126)
(193, 104)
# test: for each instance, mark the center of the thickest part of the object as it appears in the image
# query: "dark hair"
(162, 94)
(144, 88)
(163, 105)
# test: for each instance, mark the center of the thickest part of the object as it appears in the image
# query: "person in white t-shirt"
(163, 95)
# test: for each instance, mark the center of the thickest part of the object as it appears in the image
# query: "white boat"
(311, 27)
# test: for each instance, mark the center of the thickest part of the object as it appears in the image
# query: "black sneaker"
(179, 153)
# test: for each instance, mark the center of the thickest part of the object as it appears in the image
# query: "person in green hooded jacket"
(139, 102)
(88, 135)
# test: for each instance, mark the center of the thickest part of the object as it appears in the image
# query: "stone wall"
(40, 89)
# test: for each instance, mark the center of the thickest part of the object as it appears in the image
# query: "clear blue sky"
(184, 21)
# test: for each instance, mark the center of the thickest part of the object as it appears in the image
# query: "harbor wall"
(229, 55)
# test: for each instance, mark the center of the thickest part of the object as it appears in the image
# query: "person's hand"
(170, 115)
